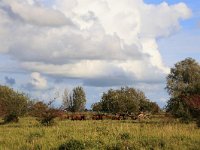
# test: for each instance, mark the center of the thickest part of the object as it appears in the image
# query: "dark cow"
(98, 117)
(132, 116)
(78, 117)
(123, 116)
(116, 117)
(62, 115)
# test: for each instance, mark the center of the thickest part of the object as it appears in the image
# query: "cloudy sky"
(49, 45)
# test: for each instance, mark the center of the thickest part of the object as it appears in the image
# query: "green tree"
(96, 107)
(12, 103)
(147, 105)
(78, 99)
(183, 81)
(184, 78)
(124, 100)
(75, 100)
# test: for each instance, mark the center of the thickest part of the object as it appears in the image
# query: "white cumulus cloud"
(93, 40)
(37, 81)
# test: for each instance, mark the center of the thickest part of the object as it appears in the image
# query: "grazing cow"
(107, 116)
(133, 117)
(78, 117)
(116, 117)
(142, 116)
(139, 116)
(98, 117)
(123, 116)
(63, 115)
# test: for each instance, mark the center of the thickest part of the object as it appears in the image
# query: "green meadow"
(151, 134)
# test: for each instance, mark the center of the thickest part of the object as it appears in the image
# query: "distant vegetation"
(125, 100)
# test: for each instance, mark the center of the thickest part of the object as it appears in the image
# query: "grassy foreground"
(156, 134)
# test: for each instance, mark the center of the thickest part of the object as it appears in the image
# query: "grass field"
(152, 134)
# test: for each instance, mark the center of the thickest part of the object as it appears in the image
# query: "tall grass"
(156, 134)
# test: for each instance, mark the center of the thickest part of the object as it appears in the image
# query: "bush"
(36, 109)
(11, 118)
(72, 145)
(48, 116)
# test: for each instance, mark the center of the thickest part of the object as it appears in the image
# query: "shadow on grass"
(2, 123)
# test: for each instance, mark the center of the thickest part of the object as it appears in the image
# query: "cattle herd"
(101, 116)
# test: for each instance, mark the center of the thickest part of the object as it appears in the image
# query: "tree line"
(126, 100)
(183, 86)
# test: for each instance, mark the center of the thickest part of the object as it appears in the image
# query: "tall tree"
(75, 100)
(183, 81)
(78, 99)
(184, 77)
(67, 102)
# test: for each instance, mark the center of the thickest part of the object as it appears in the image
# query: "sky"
(47, 46)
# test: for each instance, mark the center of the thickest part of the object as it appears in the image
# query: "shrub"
(44, 112)
(47, 117)
(11, 118)
(36, 109)
(72, 145)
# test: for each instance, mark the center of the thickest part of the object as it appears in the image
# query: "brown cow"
(108, 117)
(98, 117)
(116, 117)
(123, 116)
(78, 117)
(63, 115)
